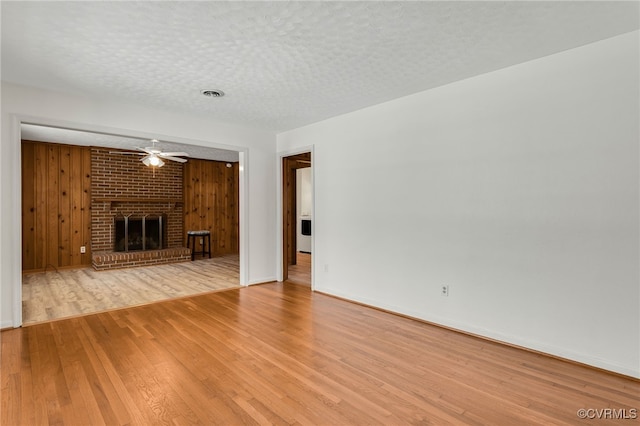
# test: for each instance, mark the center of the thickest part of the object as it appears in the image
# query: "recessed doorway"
(297, 218)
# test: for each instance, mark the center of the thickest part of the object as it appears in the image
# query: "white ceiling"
(284, 64)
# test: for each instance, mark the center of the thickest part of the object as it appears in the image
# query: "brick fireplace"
(122, 187)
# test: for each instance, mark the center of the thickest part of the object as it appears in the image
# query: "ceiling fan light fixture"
(152, 161)
(211, 93)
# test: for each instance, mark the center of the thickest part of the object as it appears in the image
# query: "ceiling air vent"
(213, 93)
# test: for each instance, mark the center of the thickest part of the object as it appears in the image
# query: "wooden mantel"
(120, 200)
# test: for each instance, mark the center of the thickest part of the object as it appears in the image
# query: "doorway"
(297, 218)
(230, 268)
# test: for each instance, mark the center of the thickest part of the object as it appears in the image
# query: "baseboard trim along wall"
(534, 347)
(5, 325)
(262, 281)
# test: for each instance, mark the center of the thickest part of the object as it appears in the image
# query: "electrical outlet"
(445, 290)
(83, 249)
(326, 267)
(201, 241)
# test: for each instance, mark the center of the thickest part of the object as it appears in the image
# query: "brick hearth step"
(113, 260)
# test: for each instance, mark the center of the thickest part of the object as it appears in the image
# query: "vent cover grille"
(213, 93)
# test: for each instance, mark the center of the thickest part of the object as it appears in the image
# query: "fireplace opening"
(141, 233)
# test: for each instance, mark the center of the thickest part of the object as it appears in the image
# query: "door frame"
(16, 211)
(281, 247)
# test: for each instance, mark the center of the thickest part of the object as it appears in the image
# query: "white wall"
(518, 188)
(303, 188)
(95, 114)
(304, 206)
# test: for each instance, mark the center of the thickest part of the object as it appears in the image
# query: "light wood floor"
(52, 295)
(280, 354)
(300, 273)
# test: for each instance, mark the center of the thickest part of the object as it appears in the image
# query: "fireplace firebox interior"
(139, 233)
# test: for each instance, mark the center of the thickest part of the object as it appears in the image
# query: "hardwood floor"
(53, 295)
(300, 273)
(280, 354)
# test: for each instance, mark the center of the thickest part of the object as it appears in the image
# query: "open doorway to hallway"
(297, 211)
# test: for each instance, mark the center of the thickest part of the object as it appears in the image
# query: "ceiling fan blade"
(178, 159)
(148, 150)
(173, 154)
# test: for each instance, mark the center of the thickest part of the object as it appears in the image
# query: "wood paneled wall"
(56, 200)
(211, 200)
(56, 205)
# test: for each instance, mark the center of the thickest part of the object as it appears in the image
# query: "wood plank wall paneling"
(289, 178)
(211, 201)
(56, 216)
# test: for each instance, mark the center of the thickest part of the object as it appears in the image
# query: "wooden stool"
(191, 242)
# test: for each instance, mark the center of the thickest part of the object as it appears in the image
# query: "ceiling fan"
(153, 157)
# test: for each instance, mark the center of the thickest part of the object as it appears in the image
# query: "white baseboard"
(6, 324)
(554, 351)
(262, 281)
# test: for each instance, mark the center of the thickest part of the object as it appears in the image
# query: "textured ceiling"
(284, 64)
